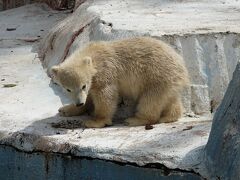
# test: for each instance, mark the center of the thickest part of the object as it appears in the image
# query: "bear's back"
(149, 59)
(137, 63)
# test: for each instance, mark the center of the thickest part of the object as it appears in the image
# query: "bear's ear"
(87, 60)
(55, 69)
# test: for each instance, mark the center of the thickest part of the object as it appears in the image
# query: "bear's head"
(75, 77)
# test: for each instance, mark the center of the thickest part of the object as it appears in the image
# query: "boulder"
(223, 147)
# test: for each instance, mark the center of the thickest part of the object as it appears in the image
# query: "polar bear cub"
(144, 69)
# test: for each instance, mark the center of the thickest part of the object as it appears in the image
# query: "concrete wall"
(17, 165)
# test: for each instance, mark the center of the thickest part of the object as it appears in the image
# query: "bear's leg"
(172, 112)
(149, 108)
(105, 104)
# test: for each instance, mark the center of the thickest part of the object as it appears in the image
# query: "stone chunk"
(223, 147)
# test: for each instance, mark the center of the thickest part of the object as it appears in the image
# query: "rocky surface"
(223, 147)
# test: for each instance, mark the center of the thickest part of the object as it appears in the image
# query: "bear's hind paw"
(134, 121)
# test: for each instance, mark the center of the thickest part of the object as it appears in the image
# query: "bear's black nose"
(79, 104)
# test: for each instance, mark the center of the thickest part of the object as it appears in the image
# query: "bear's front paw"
(96, 123)
(68, 110)
(62, 112)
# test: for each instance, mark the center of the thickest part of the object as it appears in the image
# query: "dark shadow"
(47, 127)
(57, 125)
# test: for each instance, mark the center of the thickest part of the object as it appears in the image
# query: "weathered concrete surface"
(28, 109)
(223, 147)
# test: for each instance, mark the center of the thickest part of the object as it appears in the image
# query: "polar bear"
(144, 69)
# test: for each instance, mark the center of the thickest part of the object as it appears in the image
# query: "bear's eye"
(68, 90)
(83, 87)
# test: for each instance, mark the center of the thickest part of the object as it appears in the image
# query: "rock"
(11, 29)
(223, 147)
